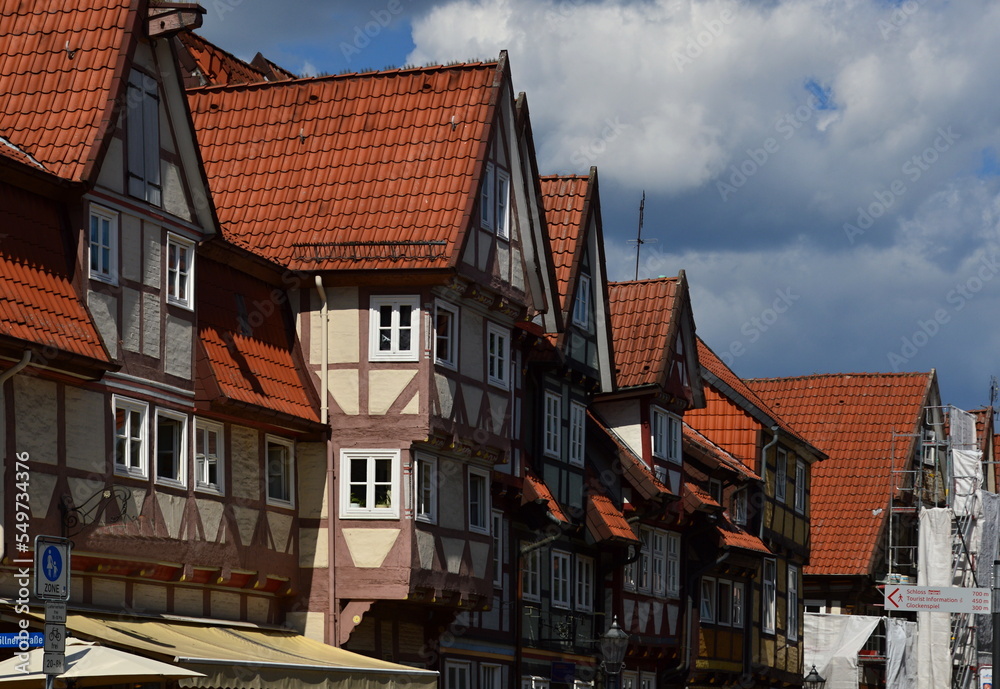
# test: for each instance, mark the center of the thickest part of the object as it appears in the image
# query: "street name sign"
(938, 599)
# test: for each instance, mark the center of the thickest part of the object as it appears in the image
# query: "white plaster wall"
(623, 417)
(177, 346)
(225, 605)
(384, 388)
(104, 309)
(446, 394)
(174, 199)
(451, 494)
(344, 331)
(152, 238)
(257, 609)
(151, 325)
(131, 319)
(471, 357)
(112, 174)
(85, 438)
(189, 601)
(35, 418)
(210, 512)
(149, 598)
(172, 509)
(108, 593)
(312, 493)
(311, 625)
(131, 247)
(314, 550)
(246, 467)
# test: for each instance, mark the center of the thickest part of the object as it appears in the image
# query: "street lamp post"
(614, 643)
(813, 680)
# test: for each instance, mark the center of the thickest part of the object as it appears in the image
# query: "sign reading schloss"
(931, 599)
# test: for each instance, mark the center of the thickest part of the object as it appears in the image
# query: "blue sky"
(825, 171)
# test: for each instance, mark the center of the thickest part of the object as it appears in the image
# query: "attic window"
(581, 307)
(142, 127)
(494, 201)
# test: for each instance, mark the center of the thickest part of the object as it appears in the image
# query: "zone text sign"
(52, 568)
(945, 599)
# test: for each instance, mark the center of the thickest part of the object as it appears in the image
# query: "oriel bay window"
(369, 486)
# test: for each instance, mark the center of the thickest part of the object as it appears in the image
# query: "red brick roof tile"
(535, 489)
(564, 199)
(215, 64)
(349, 172)
(851, 417)
(38, 303)
(696, 498)
(606, 522)
(732, 536)
(57, 70)
(253, 362)
(719, 455)
(642, 313)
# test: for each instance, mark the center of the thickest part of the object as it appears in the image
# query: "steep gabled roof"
(215, 65)
(565, 200)
(851, 417)
(352, 172)
(60, 69)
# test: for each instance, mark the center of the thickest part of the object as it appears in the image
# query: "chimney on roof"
(169, 18)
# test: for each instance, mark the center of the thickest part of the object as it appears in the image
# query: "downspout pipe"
(333, 627)
(4, 377)
(763, 473)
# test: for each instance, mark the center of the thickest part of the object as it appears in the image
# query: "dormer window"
(581, 307)
(666, 432)
(494, 201)
(142, 127)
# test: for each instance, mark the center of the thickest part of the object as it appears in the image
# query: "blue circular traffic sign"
(52, 563)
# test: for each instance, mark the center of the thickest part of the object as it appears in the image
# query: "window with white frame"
(498, 541)
(780, 475)
(171, 447)
(581, 306)
(180, 271)
(425, 488)
(457, 675)
(715, 489)
(446, 334)
(142, 130)
(503, 205)
(768, 598)
(645, 557)
(103, 245)
(666, 432)
(479, 501)
(647, 680)
(738, 604)
(630, 680)
(673, 564)
(130, 436)
(560, 579)
(800, 486)
(584, 583)
(629, 573)
(553, 424)
(533, 682)
(707, 599)
(577, 432)
(494, 201)
(724, 610)
(740, 506)
(280, 471)
(371, 488)
(394, 323)
(531, 575)
(490, 677)
(659, 563)
(487, 197)
(792, 631)
(497, 355)
(208, 455)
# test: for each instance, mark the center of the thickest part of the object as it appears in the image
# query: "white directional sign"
(55, 637)
(51, 568)
(53, 663)
(944, 599)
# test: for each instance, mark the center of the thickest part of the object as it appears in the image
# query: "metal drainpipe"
(10, 373)
(763, 473)
(330, 474)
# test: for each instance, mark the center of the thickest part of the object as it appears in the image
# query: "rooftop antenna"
(639, 241)
(993, 391)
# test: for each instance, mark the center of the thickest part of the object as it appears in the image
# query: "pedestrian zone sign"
(51, 568)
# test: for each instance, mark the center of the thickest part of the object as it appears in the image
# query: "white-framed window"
(503, 205)
(171, 447)
(531, 575)
(630, 680)
(584, 583)
(792, 631)
(180, 271)
(208, 455)
(780, 475)
(666, 432)
(394, 323)
(130, 436)
(280, 459)
(561, 594)
(446, 334)
(553, 424)
(724, 610)
(740, 506)
(425, 488)
(457, 675)
(738, 604)
(768, 599)
(142, 130)
(581, 306)
(497, 355)
(715, 489)
(533, 682)
(103, 245)
(647, 680)
(371, 488)
(498, 531)
(673, 564)
(490, 676)
(659, 563)
(577, 432)
(645, 557)
(487, 197)
(479, 500)
(800, 486)
(629, 574)
(707, 599)
(494, 201)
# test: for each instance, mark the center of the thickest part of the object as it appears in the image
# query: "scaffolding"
(924, 475)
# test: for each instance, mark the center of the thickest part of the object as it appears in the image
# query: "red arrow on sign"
(898, 597)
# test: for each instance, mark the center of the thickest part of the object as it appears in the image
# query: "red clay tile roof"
(642, 313)
(709, 449)
(852, 418)
(57, 70)
(564, 199)
(697, 498)
(606, 522)
(732, 536)
(349, 172)
(535, 489)
(215, 64)
(257, 366)
(634, 469)
(37, 301)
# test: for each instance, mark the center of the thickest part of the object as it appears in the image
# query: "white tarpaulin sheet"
(901, 654)
(934, 628)
(832, 643)
(967, 479)
(989, 527)
(962, 429)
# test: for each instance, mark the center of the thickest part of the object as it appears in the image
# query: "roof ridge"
(861, 374)
(659, 278)
(244, 63)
